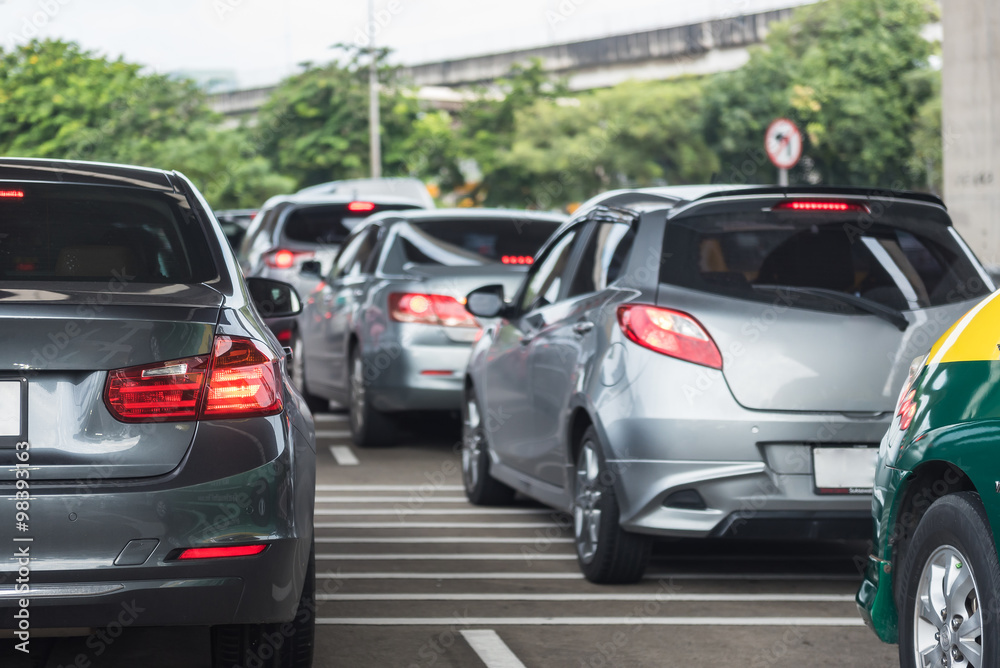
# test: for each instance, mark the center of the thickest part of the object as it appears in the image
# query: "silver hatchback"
(715, 367)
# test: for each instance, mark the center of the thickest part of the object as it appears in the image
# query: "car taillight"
(361, 207)
(517, 259)
(284, 258)
(284, 336)
(669, 332)
(12, 194)
(821, 206)
(221, 552)
(240, 379)
(429, 310)
(907, 409)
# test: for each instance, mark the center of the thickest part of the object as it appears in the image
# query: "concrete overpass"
(701, 48)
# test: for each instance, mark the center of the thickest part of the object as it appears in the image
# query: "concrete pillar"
(971, 90)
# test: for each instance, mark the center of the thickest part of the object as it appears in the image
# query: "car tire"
(952, 556)
(369, 427)
(287, 645)
(315, 403)
(607, 554)
(480, 487)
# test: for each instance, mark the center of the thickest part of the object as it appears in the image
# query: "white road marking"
(344, 456)
(402, 511)
(708, 577)
(591, 621)
(445, 557)
(332, 417)
(391, 499)
(361, 540)
(721, 598)
(491, 649)
(333, 434)
(389, 488)
(404, 524)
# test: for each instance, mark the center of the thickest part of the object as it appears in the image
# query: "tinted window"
(329, 224)
(95, 233)
(908, 258)
(603, 260)
(468, 242)
(546, 280)
(355, 253)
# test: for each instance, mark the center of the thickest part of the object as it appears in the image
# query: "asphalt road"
(412, 576)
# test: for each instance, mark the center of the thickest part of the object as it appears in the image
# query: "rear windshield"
(468, 242)
(328, 224)
(68, 232)
(905, 260)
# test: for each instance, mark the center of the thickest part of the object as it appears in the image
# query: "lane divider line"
(404, 524)
(592, 621)
(491, 650)
(344, 456)
(332, 434)
(406, 540)
(445, 557)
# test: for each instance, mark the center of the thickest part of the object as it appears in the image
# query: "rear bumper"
(75, 578)
(417, 376)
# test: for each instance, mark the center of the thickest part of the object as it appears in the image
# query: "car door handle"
(582, 328)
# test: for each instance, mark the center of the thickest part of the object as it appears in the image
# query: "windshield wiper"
(887, 313)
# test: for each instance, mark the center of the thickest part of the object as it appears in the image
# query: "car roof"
(318, 199)
(470, 214)
(82, 172)
(362, 189)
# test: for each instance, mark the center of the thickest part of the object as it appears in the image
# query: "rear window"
(68, 232)
(328, 224)
(468, 242)
(905, 259)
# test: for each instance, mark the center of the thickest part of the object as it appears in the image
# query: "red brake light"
(12, 194)
(822, 206)
(284, 336)
(360, 206)
(429, 310)
(517, 259)
(907, 409)
(669, 332)
(284, 258)
(241, 379)
(218, 552)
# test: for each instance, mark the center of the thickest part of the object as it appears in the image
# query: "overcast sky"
(263, 40)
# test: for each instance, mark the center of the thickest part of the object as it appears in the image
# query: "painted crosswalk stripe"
(407, 512)
(344, 456)
(491, 649)
(709, 598)
(406, 524)
(707, 577)
(389, 488)
(333, 434)
(591, 621)
(331, 417)
(420, 540)
(445, 557)
(391, 499)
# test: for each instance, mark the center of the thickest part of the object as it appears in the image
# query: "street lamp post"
(374, 134)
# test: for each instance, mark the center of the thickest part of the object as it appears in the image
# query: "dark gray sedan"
(387, 331)
(159, 467)
(708, 364)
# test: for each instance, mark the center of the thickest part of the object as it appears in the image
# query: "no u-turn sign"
(783, 143)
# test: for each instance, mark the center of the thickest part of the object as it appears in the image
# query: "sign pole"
(783, 178)
(374, 133)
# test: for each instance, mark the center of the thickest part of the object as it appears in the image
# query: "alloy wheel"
(358, 393)
(472, 444)
(947, 624)
(586, 505)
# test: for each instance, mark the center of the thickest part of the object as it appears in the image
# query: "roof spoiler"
(830, 191)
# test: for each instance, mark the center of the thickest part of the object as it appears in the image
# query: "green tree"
(635, 134)
(316, 122)
(847, 71)
(60, 101)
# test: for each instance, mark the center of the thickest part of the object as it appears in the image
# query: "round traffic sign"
(783, 143)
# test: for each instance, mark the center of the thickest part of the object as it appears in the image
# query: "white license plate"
(10, 408)
(844, 470)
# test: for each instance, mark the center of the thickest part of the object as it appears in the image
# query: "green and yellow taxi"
(932, 582)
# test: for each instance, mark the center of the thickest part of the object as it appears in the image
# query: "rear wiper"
(887, 313)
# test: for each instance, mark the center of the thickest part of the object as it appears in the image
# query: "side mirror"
(274, 299)
(312, 268)
(486, 302)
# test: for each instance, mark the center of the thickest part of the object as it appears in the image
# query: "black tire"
(480, 487)
(953, 534)
(287, 645)
(369, 427)
(297, 370)
(607, 554)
